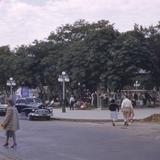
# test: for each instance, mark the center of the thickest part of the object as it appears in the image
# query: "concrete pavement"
(6, 156)
(100, 115)
(61, 140)
(94, 115)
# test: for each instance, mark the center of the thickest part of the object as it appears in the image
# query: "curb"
(91, 120)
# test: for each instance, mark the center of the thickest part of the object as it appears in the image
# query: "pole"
(63, 78)
(63, 98)
(11, 91)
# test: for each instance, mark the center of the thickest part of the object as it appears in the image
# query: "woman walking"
(127, 110)
(11, 123)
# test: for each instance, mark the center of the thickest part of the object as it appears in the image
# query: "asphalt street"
(58, 140)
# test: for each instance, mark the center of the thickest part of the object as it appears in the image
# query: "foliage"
(93, 54)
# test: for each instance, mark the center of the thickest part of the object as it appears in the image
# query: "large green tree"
(7, 65)
(130, 55)
(91, 53)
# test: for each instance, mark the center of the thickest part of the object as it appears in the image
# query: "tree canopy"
(91, 54)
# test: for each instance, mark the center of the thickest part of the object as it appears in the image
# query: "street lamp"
(79, 90)
(63, 78)
(11, 82)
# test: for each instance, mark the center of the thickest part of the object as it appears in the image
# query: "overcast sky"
(23, 21)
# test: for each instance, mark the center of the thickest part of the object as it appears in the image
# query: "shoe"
(113, 123)
(5, 145)
(14, 145)
(125, 123)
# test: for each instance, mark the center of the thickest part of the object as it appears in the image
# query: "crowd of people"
(103, 99)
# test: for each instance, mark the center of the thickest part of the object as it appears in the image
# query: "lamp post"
(11, 82)
(79, 90)
(63, 78)
(136, 85)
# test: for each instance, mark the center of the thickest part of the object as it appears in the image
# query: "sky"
(23, 21)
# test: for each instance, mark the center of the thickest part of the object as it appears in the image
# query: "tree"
(152, 35)
(85, 59)
(129, 55)
(6, 65)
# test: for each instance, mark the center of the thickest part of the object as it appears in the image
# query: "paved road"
(55, 140)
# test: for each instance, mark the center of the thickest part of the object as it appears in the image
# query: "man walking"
(126, 108)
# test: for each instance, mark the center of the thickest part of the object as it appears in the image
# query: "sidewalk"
(99, 115)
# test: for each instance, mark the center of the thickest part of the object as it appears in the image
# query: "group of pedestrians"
(126, 108)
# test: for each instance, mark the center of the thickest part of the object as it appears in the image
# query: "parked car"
(3, 109)
(40, 114)
(26, 105)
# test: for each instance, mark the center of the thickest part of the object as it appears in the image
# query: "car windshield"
(33, 100)
(21, 101)
(30, 100)
(37, 100)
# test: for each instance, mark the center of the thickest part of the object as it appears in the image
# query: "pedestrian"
(94, 99)
(127, 109)
(114, 109)
(52, 103)
(71, 102)
(11, 123)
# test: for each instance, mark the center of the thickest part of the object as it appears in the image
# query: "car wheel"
(48, 118)
(31, 118)
(26, 114)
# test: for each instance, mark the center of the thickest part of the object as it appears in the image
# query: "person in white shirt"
(127, 109)
(71, 102)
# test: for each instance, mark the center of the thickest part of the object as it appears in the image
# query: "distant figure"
(52, 103)
(114, 109)
(11, 123)
(126, 108)
(94, 99)
(71, 102)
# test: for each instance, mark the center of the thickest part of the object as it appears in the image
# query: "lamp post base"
(63, 107)
(63, 110)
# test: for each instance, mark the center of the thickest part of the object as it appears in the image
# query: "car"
(40, 114)
(3, 109)
(27, 104)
